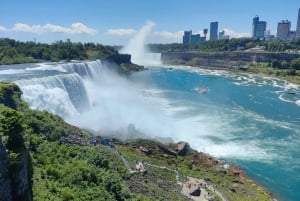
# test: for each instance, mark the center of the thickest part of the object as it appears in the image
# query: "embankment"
(224, 59)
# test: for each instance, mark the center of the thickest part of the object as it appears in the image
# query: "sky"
(114, 22)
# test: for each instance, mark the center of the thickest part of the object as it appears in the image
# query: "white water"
(136, 47)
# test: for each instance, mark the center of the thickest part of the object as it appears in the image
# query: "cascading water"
(62, 92)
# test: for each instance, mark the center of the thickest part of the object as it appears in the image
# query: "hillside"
(44, 158)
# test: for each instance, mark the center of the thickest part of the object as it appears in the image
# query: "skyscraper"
(283, 29)
(258, 28)
(213, 31)
(298, 25)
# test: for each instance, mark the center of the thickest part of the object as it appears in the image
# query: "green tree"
(12, 128)
(295, 64)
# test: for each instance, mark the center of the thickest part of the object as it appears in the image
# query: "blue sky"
(113, 22)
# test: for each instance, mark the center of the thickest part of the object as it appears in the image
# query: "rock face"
(22, 178)
(15, 185)
(183, 148)
(5, 188)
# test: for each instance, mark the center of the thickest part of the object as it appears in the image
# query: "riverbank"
(261, 72)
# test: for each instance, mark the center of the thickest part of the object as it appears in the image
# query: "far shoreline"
(233, 71)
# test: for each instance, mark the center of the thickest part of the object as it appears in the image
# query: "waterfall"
(63, 93)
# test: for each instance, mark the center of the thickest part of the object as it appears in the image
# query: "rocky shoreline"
(231, 179)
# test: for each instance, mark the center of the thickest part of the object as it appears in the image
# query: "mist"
(119, 107)
(140, 54)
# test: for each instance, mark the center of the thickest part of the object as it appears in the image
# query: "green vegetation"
(290, 74)
(13, 52)
(60, 172)
(81, 171)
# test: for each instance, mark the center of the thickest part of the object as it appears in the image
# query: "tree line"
(12, 51)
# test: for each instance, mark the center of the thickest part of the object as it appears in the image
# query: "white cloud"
(3, 29)
(168, 35)
(57, 29)
(76, 28)
(27, 28)
(121, 32)
(79, 28)
(234, 34)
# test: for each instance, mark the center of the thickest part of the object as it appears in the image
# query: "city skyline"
(115, 22)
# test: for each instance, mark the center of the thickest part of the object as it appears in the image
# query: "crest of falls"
(61, 92)
(136, 47)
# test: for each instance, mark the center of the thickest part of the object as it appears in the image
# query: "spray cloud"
(136, 47)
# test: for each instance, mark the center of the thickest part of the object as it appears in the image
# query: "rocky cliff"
(5, 182)
(123, 64)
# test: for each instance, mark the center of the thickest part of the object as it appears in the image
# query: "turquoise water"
(249, 121)
(252, 122)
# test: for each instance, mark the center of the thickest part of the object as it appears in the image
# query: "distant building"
(283, 29)
(298, 25)
(187, 37)
(196, 38)
(292, 35)
(213, 31)
(205, 31)
(222, 35)
(268, 35)
(258, 28)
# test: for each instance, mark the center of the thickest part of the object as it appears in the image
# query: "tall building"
(298, 25)
(213, 31)
(187, 37)
(283, 29)
(258, 28)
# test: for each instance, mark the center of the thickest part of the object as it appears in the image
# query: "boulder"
(195, 190)
(183, 148)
